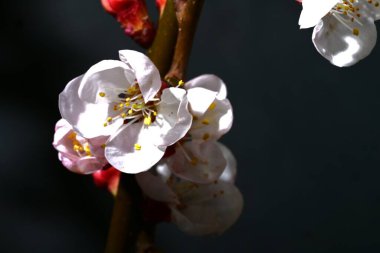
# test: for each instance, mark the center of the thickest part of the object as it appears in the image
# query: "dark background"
(306, 134)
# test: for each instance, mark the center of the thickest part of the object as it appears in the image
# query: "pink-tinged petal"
(147, 75)
(132, 150)
(61, 141)
(198, 162)
(214, 123)
(109, 77)
(207, 209)
(68, 161)
(87, 119)
(155, 188)
(210, 82)
(229, 173)
(173, 119)
(97, 146)
(87, 165)
(200, 100)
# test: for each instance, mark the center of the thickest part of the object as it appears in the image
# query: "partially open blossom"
(123, 100)
(197, 209)
(197, 157)
(344, 31)
(134, 19)
(76, 153)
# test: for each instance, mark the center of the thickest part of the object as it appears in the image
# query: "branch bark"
(187, 12)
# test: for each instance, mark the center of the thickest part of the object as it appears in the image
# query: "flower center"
(347, 12)
(129, 105)
(79, 148)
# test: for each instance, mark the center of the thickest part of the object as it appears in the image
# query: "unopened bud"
(134, 19)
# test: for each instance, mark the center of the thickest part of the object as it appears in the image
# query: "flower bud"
(161, 5)
(107, 178)
(134, 19)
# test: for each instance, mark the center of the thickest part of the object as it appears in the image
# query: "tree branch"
(161, 52)
(188, 12)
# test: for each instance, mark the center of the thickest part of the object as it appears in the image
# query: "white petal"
(207, 209)
(87, 165)
(369, 8)
(146, 73)
(122, 154)
(214, 123)
(313, 11)
(173, 119)
(200, 99)
(108, 76)
(338, 44)
(198, 162)
(210, 82)
(87, 119)
(155, 188)
(229, 172)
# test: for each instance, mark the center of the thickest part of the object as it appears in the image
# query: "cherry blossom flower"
(123, 100)
(198, 157)
(211, 110)
(344, 31)
(197, 209)
(76, 153)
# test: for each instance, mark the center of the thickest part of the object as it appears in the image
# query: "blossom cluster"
(344, 30)
(120, 117)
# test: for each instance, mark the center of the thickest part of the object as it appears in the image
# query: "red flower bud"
(161, 5)
(134, 19)
(107, 178)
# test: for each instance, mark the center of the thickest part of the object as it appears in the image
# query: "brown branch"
(161, 52)
(188, 12)
(126, 217)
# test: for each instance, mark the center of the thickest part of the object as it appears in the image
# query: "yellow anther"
(180, 83)
(205, 122)
(194, 161)
(105, 124)
(212, 106)
(127, 103)
(206, 136)
(109, 119)
(130, 112)
(77, 148)
(138, 106)
(123, 115)
(147, 121)
(154, 113)
(87, 150)
(137, 146)
(121, 105)
(127, 99)
(102, 94)
(103, 145)
(72, 136)
(355, 31)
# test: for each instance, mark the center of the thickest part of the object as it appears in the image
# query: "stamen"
(137, 146)
(102, 94)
